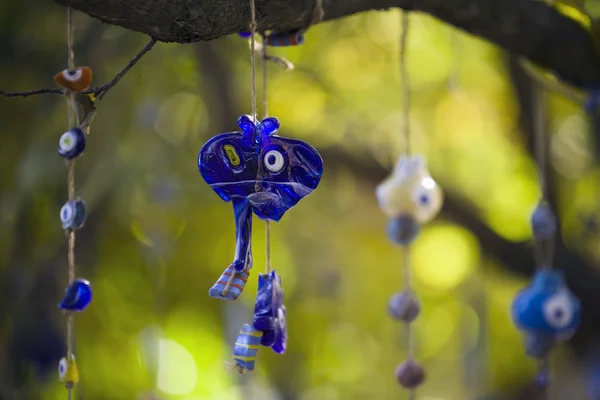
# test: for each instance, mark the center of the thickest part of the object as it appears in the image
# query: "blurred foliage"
(157, 236)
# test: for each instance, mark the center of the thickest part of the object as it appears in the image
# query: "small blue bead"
(71, 143)
(538, 345)
(78, 296)
(72, 214)
(404, 307)
(245, 35)
(403, 230)
(542, 379)
(543, 222)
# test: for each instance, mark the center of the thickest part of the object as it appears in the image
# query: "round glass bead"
(245, 35)
(543, 222)
(71, 143)
(403, 229)
(72, 214)
(410, 374)
(404, 307)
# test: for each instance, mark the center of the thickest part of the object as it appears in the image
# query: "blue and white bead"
(72, 214)
(72, 143)
(547, 307)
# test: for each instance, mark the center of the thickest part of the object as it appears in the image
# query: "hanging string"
(71, 191)
(252, 57)
(405, 128)
(265, 59)
(544, 249)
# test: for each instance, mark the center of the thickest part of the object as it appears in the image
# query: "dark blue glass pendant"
(547, 307)
(246, 347)
(270, 313)
(261, 173)
(72, 214)
(78, 296)
(72, 143)
(245, 35)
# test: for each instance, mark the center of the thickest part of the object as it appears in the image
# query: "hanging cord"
(265, 115)
(254, 112)
(405, 127)
(544, 249)
(71, 190)
(405, 130)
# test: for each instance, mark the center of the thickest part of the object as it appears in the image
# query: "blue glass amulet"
(270, 313)
(246, 347)
(547, 307)
(78, 296)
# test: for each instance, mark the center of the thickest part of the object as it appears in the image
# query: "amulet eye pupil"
(271, 160)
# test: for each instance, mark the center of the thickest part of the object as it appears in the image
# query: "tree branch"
(528, 28)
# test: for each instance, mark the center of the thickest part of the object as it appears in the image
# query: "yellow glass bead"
(410, 189)
(68, 372)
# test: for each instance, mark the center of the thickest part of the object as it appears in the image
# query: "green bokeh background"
(157, 237)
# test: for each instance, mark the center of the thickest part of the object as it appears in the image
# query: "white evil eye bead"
(72, 75)
(72, 143)
(558, 311)
(72, 214)
(274, 161)
(427, 199)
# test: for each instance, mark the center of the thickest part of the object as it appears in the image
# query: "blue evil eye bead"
(78, 296)
(285, 39)
(410, 375)
(246, 347)
(404, 307)
(403, 229)
(410, 190)
(72, 214)
(72, 143)
(547, 307)
(245, 35)
(68, 372)
(543, 222)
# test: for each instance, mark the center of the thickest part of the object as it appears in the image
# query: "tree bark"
(528, 28)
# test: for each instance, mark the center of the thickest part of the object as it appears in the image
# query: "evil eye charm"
(68, 372)
(285, 39)
(547, 307)
(72, 143)
(270, 313)
(77, 79)
(411, 190)
(72, 214)
(78, 296)
(246, 347)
